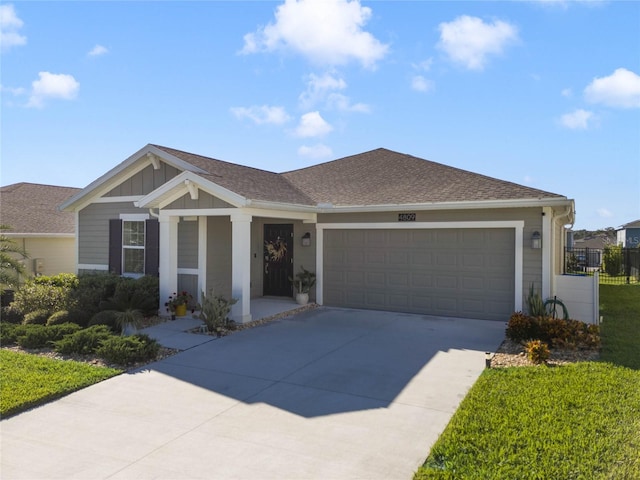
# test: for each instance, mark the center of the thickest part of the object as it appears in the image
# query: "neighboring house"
(629, 235)
(381, 229)
(47, 234)
(588, 251)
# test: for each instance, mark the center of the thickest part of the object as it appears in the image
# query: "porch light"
(536, 240)
(306, 239)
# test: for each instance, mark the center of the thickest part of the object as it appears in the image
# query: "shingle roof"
(32, 208)
(384, 177)
(249, 182)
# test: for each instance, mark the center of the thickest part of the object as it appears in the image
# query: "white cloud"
(323, 89)
(424, 65)
(15, 91)
(315, 151)
(604, 213)
(620, 89)
(577, 120)
(421, 84)
(567, 92)
(312, 125)
(469, 41)
(262, 114)
(52, 85)
(10, 23)
(328, 32)
(97, 51)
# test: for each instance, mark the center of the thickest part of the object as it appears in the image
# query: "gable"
(145, 181)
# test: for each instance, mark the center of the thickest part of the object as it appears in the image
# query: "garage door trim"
(517, 225)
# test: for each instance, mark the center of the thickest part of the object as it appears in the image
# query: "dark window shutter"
(115, 246)
(152, 247)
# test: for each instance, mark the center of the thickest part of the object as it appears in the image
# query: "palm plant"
(11, 255)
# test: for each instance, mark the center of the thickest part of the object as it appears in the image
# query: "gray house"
(382, 230)
(628, 235)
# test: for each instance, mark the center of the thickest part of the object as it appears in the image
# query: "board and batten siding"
(93, 230)
(188, 244)
(145, 181)
(532, 217)
(205, 200)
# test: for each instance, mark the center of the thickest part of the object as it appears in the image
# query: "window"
(133, 242)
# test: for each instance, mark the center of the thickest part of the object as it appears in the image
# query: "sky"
(541, 93)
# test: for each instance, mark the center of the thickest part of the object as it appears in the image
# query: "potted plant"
(303, 282)
(177, 304)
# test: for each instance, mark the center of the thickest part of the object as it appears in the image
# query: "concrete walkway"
(325, 394)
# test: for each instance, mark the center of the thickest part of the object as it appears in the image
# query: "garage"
(454, 272)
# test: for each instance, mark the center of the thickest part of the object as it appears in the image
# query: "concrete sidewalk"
(327, 394)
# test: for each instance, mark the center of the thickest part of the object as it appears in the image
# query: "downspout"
(154, 215)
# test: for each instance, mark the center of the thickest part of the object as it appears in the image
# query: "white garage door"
(449, 272)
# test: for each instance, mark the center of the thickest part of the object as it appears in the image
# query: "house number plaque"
(406, 217)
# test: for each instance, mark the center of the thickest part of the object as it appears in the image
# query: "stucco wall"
(57, 254)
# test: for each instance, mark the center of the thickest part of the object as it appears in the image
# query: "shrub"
(612, 260)
(214, 311)
(535, 303)
(37, 294)
(106, 317)
(128, 350)
(61, 316)
(128, 296)
(148, 287)
(83, 341)
(537, 351)
(92, 289)
(36, 317)
(41, 336)
(521, 327)
(11, 315)
(67, 281)
(9, 333)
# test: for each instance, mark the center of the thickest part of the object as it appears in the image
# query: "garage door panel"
(450, 272)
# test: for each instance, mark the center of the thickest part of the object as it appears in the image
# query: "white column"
(168, 264)
(319, 264)
(519, 270)
(202, 256)
(241, 267)
(547, 250)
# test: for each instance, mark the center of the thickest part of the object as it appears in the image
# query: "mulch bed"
(512, 354)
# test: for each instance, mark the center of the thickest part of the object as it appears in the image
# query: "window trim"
(133, 217)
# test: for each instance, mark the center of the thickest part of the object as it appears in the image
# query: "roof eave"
(465, 205)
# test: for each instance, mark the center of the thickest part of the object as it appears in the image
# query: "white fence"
(581, 296)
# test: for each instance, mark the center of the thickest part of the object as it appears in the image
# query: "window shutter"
(115, 246)
(152, 247)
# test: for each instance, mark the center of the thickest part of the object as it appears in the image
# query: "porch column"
(547, 251)
(241, 267)
(168, 264)
(202, 257)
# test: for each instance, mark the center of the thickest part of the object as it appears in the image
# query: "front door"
(278, 260)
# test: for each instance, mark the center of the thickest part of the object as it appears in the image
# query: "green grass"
(29, 380)
(579, 421)
(620, 309)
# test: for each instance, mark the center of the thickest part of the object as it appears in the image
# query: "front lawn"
(575, 421)
(28, 380)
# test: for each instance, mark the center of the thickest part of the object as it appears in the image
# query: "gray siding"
(204, 201)
(145, 181)
(188, 244)
(93, 230)
(219, 255)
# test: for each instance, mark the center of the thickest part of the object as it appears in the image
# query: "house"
(47, 234)
(629, 235)
(381, 229)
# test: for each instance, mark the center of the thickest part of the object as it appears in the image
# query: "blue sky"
(541, 93)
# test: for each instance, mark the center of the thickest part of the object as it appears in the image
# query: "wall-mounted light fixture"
(536, 240)
(306, 239)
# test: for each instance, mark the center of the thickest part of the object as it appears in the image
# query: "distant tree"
(11, 255)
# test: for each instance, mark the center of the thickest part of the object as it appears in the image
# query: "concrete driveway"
(325, 394)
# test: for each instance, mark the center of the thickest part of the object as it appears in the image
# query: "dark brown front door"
(278, 264)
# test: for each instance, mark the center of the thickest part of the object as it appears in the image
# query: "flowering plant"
(177, 299)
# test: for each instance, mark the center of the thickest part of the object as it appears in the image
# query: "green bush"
(41, 336)
(128, 350)
(521, 327)
(9, 333)
(612, 260)
(92, 289)
(61, 316)
(67, 281)
(106, 317)
(85, 341)
(36, 317)
(10, 315)
(554, 331)
(129, 296)
(38, 294)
